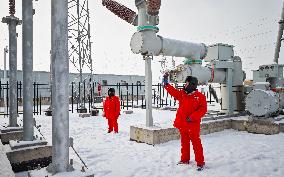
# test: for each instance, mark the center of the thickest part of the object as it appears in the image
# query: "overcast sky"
(250, 25)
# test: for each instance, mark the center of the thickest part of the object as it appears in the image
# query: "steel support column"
(28, 123)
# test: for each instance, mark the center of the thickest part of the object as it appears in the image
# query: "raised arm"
(173, 91)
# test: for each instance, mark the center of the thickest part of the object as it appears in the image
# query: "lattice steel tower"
(79, 45)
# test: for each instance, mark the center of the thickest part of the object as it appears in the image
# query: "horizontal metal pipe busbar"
(147, 42)
(204, 74)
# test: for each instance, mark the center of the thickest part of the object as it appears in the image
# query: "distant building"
(105, 80)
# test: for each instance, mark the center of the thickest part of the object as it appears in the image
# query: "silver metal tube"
(27, 15)
(142, 16)
(148, 91)
(148, 42)
(60, 106)
(142, 20)
(172, 47)
(279, 37)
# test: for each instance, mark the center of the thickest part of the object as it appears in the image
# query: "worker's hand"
(104, 114)
(188, 119)
(166, 78)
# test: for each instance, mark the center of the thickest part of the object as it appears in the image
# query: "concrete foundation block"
(83, 115)
(76, 173)
(204, 129)
(128, 112)
(11, 134)
(5, 166)
(153, 135)
(29, 158)
(262, 127)
(10, 129)
(157, 135)
(281, 127)
(212, 127)
(239, 125)
(23, 144)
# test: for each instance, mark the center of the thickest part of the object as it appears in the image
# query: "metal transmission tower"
(79, 45)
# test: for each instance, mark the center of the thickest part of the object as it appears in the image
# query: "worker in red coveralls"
(99, 89)
(112, 110)
(192, 107)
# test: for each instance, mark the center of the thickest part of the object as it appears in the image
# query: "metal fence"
(131, 96)
(37, 97)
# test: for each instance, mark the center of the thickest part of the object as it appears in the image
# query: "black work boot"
(200, 167)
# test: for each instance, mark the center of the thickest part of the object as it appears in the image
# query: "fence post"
(79, 97)
(91, 95)
(142, 98)
(84, 96)
(77, 102)
(132, 96)
(210, 98)
(127, 96)
(17, 97)
(93, 90)
(34, 98)
(137, 94)
(7, 98)
(89, 99)
(161, 104)
(72, 96)
(154, 96)
(37, 99)
(119, 91)
(166, 97)
(40, 104)
(21, 92)
(121, 96)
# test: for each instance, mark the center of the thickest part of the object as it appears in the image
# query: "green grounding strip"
(141, 28)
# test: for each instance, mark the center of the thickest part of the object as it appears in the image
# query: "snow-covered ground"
(227, 154)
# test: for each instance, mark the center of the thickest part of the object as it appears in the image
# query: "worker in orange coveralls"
(112, 110)
(192, 107)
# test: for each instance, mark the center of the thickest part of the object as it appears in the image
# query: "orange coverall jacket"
(193, 106)
(111, 107)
